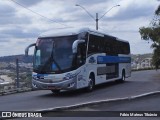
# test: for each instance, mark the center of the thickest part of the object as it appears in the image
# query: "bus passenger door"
(81, 58)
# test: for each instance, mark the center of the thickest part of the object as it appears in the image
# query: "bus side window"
(96, 44)
(107, 49)
(92, 48)
(101, 45)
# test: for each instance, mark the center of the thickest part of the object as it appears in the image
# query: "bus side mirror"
(27, 49)
(75, 45)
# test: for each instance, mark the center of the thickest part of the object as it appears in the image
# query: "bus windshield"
(54, 54)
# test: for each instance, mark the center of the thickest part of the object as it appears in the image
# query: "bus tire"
(91, 83)
(123, 76)
(55, 91)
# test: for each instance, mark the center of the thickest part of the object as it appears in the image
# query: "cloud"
(19, 33)
(85, 2)
(28, 2)
(19, 27)
(9, 16)
(6, 10)
(132, 12)
(132, 9)
(7, 13)
(4, 40)
(14, 20)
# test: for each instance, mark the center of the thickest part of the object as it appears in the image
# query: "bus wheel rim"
(123, 77)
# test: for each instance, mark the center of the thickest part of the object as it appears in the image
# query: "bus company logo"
(6, 114)
(92, 60)
(70, 75)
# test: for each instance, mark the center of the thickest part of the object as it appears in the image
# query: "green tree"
(153, 33)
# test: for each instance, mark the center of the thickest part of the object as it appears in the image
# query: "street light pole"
(97, 18)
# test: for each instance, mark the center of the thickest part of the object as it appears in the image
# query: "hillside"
(140, 57)
(22, 58)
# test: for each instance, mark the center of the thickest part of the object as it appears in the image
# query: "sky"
(21, 26)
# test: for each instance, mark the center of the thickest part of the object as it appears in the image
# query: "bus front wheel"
(90, 84)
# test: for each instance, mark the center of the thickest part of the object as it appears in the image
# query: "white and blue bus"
(78, 58)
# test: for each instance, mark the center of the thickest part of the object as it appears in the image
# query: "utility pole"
(17, 73)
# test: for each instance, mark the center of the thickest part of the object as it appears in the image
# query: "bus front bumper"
(62, 85)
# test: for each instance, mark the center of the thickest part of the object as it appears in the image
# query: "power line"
(39, 14)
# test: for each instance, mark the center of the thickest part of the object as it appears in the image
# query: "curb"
(97, 102)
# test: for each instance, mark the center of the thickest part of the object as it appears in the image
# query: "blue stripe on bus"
(113, 59)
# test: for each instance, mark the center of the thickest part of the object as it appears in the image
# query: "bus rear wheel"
(123, 76)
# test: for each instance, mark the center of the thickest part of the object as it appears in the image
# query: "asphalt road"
(140, 82)
(123, 110)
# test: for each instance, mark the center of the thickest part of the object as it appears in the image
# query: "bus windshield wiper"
(50, 59)
(54, 59)
(49, 62)
(57, 64)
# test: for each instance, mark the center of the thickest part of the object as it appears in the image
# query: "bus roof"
(63, 32)
(73, 31)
